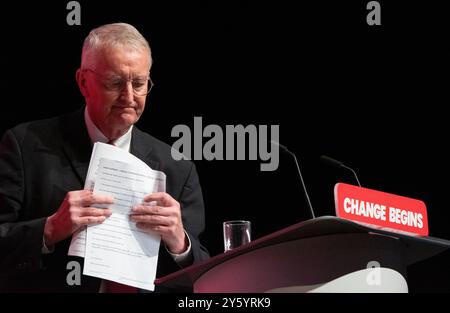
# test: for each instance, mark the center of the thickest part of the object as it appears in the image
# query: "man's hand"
(75, 212)
(164, 218)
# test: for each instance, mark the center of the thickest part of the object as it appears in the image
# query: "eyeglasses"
(141, 87)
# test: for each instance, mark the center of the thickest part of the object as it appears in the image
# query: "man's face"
(112, 108)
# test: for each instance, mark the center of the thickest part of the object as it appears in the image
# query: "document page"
(106, 151)
(116, 250)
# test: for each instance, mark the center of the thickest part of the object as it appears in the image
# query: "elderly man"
(43, 166)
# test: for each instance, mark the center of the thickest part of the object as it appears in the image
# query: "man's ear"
(81, 81)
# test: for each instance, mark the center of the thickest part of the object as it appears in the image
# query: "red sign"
(381, 210)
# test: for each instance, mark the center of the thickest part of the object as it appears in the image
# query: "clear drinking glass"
(236, 233)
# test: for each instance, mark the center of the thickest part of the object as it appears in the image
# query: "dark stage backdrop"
(373, 97)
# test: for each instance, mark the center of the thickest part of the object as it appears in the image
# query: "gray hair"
(112, 35)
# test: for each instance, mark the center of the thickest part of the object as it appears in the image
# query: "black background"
(371, 96)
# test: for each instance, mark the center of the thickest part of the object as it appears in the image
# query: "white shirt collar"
(123, 142)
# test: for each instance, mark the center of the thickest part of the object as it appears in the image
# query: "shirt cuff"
(45, 249)
(185, 258)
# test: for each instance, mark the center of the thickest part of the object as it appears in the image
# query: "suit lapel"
(142, 149)
(77, 144)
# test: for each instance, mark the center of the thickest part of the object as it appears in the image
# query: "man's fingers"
(154, 196)
(151, 219)
(154, 209)
(162, 198)
(99, 199)
(95, 212)
(162, 230)
(90, 220)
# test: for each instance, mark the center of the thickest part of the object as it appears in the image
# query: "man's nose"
(127, 92)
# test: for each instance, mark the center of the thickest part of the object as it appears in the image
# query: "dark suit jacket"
(39, 163)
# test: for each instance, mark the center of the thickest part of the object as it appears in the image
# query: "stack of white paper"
(116, 250)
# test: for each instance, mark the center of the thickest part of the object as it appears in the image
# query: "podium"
(325, 254)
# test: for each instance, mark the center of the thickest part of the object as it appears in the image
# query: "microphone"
(308, 201)
(338, 164)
